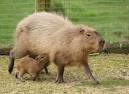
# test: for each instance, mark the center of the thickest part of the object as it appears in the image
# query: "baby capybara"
(31, 66)
(65, 43)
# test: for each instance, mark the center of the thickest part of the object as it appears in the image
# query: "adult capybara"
(31, 66)
(65, 43)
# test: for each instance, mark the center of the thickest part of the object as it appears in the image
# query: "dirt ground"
(111, 70)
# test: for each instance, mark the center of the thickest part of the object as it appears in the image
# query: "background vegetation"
(110, 17)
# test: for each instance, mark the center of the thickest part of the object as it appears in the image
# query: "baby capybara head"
(90, 39)
(42, 58)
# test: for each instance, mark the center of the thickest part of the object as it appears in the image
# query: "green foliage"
(106, 16)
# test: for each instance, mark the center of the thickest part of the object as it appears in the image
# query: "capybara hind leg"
(59, 78)
(89, 74)
(15, 54)
(11, 60)
(19, 53)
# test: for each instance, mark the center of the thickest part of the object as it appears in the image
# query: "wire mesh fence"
(110, 17)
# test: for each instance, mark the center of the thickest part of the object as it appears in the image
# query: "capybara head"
(42, 58)
(90, 39)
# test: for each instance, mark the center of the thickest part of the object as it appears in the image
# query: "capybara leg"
(35, 76)
(46, 70)
(59, 78)
(17, 75)
(21, 74)
(11, 61)
(89, 74)
(45, 67)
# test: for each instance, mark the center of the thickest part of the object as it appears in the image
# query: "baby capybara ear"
(41, 57)
(38, 57)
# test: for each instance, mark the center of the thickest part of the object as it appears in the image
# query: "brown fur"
(65, 43)
(31, 66)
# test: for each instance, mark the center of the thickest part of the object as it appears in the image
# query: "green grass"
(106, 16)
(11, 12)
(112, 71)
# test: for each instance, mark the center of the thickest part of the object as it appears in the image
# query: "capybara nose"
(101, 42)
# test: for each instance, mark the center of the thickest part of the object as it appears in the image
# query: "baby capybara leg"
(60, 72)
(34, 75)
(17, 75)
(89, 73)
(20, 76)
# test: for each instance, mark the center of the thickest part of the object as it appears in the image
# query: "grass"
(112, 71)
(106, 16)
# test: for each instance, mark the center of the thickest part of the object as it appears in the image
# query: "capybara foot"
(96, 83)
(47, 73)
(16, 76)
(42, 72)
(34, 79)
(59, 81)
(22, 80)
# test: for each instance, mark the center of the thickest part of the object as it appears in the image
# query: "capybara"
(65, 43)
(31, 66)
(32, 55)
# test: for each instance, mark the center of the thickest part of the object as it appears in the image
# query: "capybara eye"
(88, 35)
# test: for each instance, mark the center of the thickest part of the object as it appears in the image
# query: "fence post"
(42, 5)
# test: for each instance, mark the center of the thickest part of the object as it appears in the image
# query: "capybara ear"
(81, 29)
(37, 57)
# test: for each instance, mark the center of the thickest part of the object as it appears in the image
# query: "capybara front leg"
(21, 74)
(89, 74)
(35, 77)
(11, 61)
(46, 70)
(45, 67)
(59, 78)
